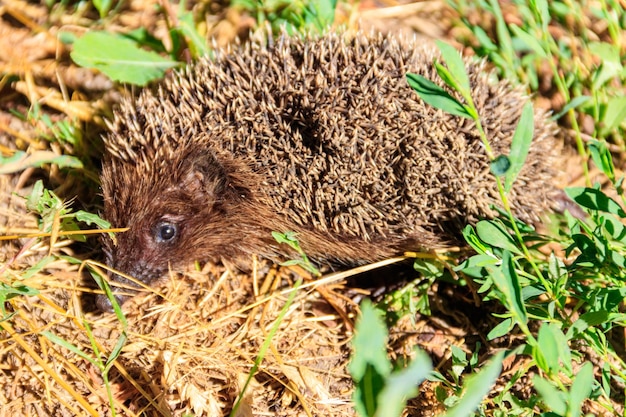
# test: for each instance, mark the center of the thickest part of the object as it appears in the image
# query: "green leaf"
(588, 248)
(501, 329)
(543, 12)
(581, 389)
(117, 350)
(552, 353)
(575, 102)
(16, 289)
(436, 96)
(529, 40)
(290, 238)
(119, 58)
(504, 41)
(607, 298)
(428, 268)
(291, 262)
(607, 377)
(90, 218)
(530, 292)
(36, 201)
(370, 343)
(611, 63)
(592, 319)
(476, 387)
(20, 160)
(141, 36)
(197, 43)
(267, 342)
(470, 236)
(511, 287)
(455, 73)
(503, 216)
(595, 200)
(615, 113)
(369, 365)
(483, 39)
(551, 396)
(477, 261)
(522, 138)
(602, 157)
(458, 357)
(103, 7)
(495, 234)
(507, 281)
(403, 385)
(40, 265)
(67, 38)
(459, 361)
(500, 165)
(320, 14)
(106, 288)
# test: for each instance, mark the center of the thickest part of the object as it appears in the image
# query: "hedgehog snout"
(144, 258)
(104, 304)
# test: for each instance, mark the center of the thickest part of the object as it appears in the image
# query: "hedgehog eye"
(165, 232)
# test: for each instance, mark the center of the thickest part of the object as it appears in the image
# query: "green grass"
(556, 307)
(586, 68)
(295, 16)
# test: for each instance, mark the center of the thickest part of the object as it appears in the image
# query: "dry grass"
(190, 346)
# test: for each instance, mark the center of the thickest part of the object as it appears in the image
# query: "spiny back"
(341, 141)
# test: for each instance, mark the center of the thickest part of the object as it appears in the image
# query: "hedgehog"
(320, 136)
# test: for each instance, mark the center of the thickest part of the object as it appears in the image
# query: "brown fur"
(320, 136)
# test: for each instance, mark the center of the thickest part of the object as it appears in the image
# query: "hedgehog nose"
(104, 304)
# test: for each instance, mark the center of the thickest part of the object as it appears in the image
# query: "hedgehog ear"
(205, 175)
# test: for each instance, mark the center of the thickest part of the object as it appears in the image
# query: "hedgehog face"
(163, 210)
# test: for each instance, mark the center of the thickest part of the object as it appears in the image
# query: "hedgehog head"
(162, 198)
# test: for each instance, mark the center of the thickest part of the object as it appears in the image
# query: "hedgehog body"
(320, 136)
